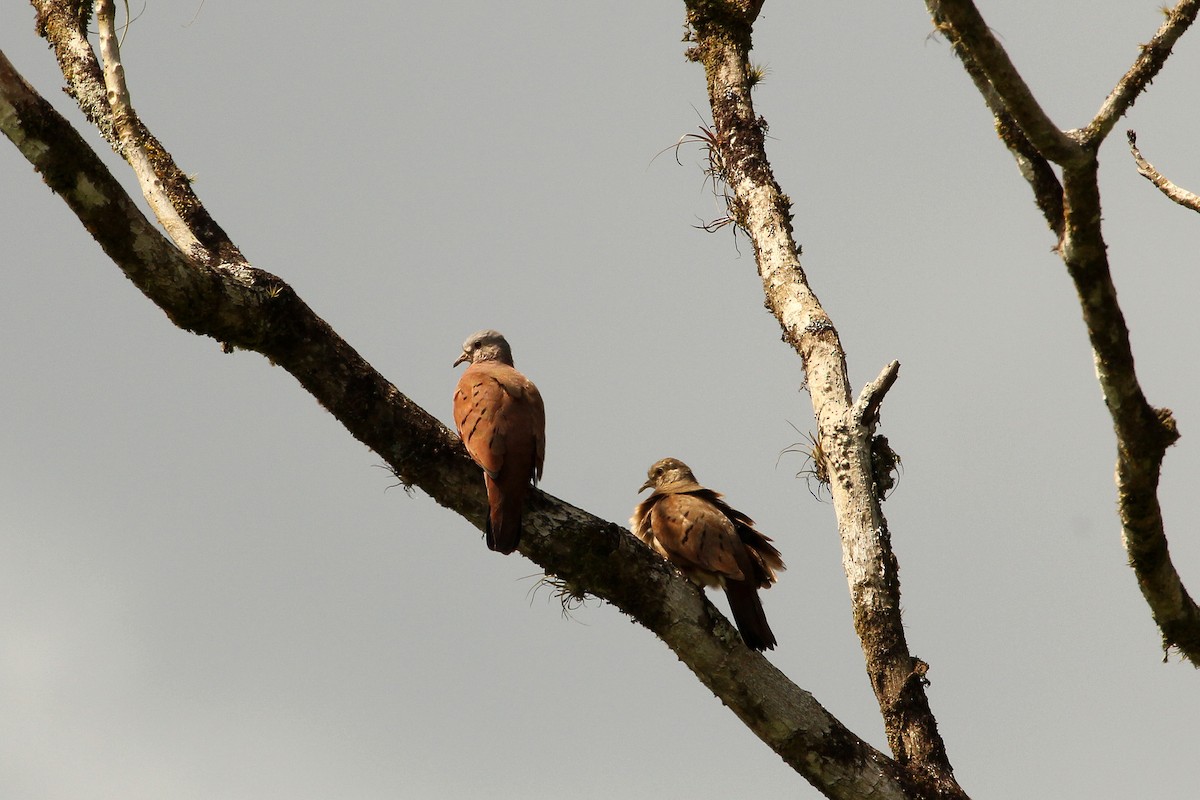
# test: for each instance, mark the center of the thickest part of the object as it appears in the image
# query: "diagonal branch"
(254, 310)
(721, 32)
(1047, 191)
(1176, 194)
(125, 122)
(1143, 432)
(1153, 56)
(961, 22)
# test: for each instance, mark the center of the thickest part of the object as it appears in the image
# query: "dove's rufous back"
(502, 421)
(711, 543)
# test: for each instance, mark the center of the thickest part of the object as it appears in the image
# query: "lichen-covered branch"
(721, 36)
(1177, 194)
(254, 310)
(1143, 432)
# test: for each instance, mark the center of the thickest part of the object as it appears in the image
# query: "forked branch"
(1143, 433)
(104, 98)
(962, 23)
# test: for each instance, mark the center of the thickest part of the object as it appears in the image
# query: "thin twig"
(132, 147)
(1177, 194)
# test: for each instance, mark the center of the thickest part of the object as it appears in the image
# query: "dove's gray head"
(666, 472)
(486, 345)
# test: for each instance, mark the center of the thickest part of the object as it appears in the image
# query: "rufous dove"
(709, 542)
(502, 421)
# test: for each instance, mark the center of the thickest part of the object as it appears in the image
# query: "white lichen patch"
(86, 192)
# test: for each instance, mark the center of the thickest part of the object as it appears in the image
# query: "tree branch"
(721, 32)
(961, 22)
(1047, 191)
(63, 23)
(254, 310)
(127, 125)
(1143, 432)
(1153, 56)
(1176, 194)
(866, 410)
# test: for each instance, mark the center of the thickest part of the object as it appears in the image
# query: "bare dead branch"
(721, 32)
(1153, 56)
(1177, 194)
(255, 310)
(962, 24)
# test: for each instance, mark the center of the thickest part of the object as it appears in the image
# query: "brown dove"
(711, 543)
(502, 421)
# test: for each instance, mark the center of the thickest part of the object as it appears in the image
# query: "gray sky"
(208, 589)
